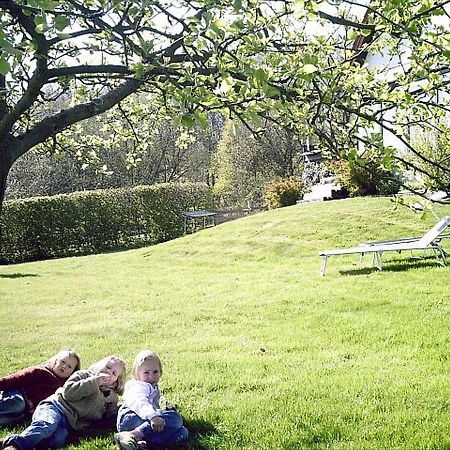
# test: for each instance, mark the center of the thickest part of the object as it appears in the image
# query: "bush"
(94, 221)
(283, 192)
(367, 177)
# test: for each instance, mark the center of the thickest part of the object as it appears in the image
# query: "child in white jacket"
(140, 417)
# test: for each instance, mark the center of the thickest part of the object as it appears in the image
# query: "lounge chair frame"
(430, 241)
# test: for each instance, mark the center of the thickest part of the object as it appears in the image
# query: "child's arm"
(81, 384)
(136, 397)
(20, 379)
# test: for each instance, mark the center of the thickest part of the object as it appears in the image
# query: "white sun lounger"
(429, 241)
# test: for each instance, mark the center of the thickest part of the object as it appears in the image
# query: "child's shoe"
(126, 441)
(142, 445)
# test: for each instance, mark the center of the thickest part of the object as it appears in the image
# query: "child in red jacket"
(87, 396)
(21, 391)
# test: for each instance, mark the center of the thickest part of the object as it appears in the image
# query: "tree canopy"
(299, 63)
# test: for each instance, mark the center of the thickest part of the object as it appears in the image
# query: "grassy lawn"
(259, 351)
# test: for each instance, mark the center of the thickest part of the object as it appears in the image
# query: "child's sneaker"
(126, 441)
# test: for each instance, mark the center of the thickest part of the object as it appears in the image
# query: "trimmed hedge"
(94, 221)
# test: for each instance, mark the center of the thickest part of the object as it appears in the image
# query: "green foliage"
(244, 163)
(283, 192)
(366, 177)
(229, 176)
(94, 221)
(433, 172)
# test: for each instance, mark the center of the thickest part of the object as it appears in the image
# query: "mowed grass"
(259, 351)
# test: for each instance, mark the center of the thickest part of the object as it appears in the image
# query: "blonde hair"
(143, 356)
(70, 352)
(99, 365)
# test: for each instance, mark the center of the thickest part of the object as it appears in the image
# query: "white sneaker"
(126, 441)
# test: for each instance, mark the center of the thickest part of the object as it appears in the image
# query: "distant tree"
(245, 162)
(436, 147)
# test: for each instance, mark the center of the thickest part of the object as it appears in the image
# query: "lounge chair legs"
(439, 251)
(323, 266)
(379, 259)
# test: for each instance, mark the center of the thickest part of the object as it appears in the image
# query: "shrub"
(283, 192)
(367, 177)
(94, 221)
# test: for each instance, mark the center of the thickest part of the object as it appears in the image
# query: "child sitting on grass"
(87, 396)
(21, 391)
(141, 421)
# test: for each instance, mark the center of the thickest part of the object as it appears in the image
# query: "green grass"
(259, 351)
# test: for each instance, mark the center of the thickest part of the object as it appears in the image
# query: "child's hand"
(157, 424)
(103, 379)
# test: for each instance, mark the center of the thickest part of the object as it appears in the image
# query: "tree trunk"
(5, 166)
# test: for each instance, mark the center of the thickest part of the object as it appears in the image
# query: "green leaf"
(187, 120)
(353, 34)
(61, 22)
(260, 75)
(139, 70)
(309, 68)
(8, 48)
(41, 25)
(4, 66)
(201, 118)
(40, 28)
(226, 85)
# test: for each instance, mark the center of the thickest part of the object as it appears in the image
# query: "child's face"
(114, 369)
(64, 366)
(149, 372)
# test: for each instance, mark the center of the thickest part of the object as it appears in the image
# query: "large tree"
(297, 62)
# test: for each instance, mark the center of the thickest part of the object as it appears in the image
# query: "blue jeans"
(174, 431)
(49, 426)
(12, 406)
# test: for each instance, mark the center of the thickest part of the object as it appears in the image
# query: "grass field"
(259, 351)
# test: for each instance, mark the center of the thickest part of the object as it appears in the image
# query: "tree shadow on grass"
(107, 428)
(199, 429)
(401, 265)
(99, 428)
(18, 275)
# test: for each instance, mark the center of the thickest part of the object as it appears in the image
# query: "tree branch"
(54, 74)
(58, 122)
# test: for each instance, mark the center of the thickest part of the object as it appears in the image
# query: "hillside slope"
(259, 351)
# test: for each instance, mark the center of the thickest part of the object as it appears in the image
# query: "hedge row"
(94, 221)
